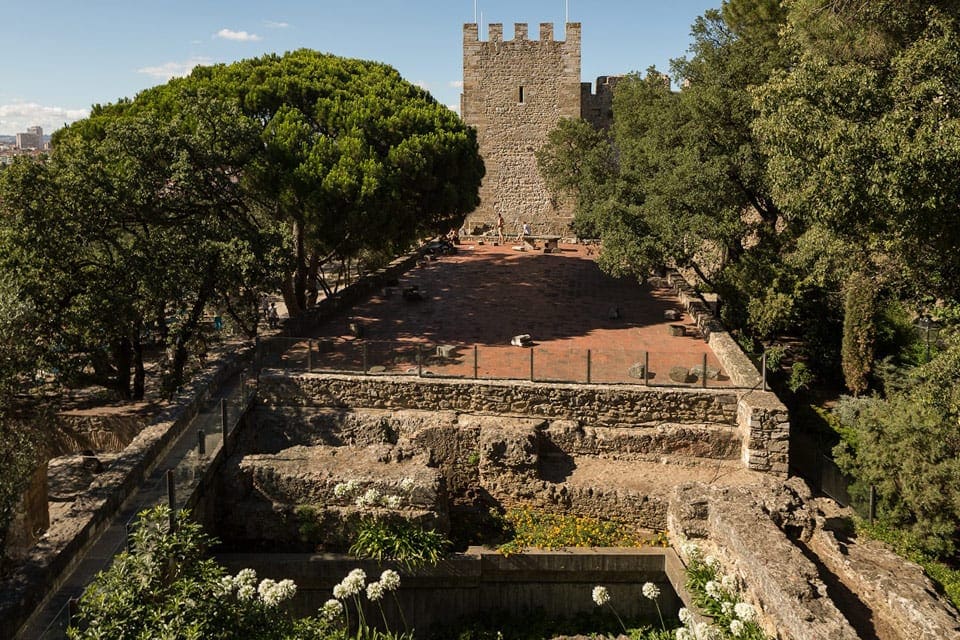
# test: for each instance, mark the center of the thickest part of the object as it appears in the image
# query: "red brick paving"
(485, 294)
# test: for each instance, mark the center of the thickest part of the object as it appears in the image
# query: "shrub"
(401, 540)
(164, 587)
(907, 447)
(859, 332)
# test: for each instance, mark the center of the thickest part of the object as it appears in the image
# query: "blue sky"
(61, 56)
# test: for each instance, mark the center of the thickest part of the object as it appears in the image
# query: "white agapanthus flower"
(690, 549)
(684, 634)
(705, 631)
(266, 589)
(354, 582)
(370, 498)
(713, 589)
(711, 561)
(745, 611)
(246, 592)
(729, 583)
(726, 608)
(374, 591)
(650, 591)
(407, 485)
(340, 591)
(331, 610)
(685, 616)
(601, 595)
(342, 490)
(390, 579)
(226, 585)
(273, 593)
(285, 589)
(736, 628)
(392, 502)
(245, 577)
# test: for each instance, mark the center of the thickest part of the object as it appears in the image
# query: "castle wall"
(597, 108)
(514, 93)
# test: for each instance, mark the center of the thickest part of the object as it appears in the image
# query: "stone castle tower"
(514, 93)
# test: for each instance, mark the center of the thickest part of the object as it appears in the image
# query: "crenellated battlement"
(521, 33)
(515, 91)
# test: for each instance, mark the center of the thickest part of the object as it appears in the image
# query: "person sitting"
(524, 231)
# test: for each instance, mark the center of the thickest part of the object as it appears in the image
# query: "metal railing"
(485, 362)
(209, 429)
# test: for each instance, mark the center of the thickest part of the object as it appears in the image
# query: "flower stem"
(622, 626)
(406, 629)
(662, 626)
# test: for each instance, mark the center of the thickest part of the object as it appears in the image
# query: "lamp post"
(929, 327)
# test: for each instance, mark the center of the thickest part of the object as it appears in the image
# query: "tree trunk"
(122, 360)
(189, 328)
(300, 272)
(139, 374)
(312, 268)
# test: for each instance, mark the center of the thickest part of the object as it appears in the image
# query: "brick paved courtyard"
(477, 300)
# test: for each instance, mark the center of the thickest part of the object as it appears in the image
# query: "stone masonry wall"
(591, 404)
(511, 127)
(763, 421)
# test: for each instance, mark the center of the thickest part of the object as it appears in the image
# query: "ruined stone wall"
(514, 93)
(604, 405)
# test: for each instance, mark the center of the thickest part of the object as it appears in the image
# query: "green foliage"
(400, 540)
(907, 447)
(353, 158)
(800, 377)
(530, 528)
(858, 332)
(718, 597)
(165, 587)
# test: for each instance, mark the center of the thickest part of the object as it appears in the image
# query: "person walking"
(500, 228)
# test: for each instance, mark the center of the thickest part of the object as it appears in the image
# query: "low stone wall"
(48, 562)
(30, 517)
(76, 431)
(762, 419)
(601, 405)
(740, 528)
(732, 358)
(898, 591)
(809, 583)
(484, 582)
(303, 323)
(765, 428)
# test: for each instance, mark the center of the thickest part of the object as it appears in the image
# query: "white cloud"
(270, 24)
(16, 117)
(422, 84)
(169, 70)
(239, 36)
(454, 107)
(456, 84)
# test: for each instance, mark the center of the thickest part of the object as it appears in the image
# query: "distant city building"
(32, 139)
